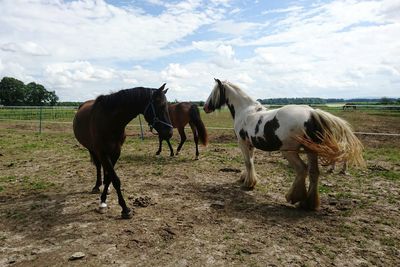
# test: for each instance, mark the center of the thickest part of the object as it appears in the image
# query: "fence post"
(40, 120)
(141, 128)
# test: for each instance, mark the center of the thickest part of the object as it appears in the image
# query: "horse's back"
(81, 124)
(179, 113)
(274, 129)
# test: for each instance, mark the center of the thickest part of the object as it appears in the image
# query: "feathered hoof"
(126, 214)
(249, 185)
(296, 196)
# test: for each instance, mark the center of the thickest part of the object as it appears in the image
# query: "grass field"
(193, 213)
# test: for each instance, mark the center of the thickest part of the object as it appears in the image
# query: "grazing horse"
(287, 129)
(99, 125)
(181, 114)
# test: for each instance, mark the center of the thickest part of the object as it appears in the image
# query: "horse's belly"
(266, 144)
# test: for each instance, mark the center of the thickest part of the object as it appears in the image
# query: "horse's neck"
(133, 108)
(239, 100)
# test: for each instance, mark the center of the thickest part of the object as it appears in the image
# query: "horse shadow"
(42, 215)
(232, 200)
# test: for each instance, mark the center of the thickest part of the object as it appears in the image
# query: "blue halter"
(155, 118)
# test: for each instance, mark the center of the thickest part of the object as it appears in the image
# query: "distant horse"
(99, 125)
(181, 114)
(349, 106)
(287, 129)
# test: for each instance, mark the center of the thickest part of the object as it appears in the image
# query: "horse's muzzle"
(206, 109)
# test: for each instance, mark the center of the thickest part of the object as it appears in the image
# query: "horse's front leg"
(249, 177)
(171, 151)
(111, 177)
(159, 145)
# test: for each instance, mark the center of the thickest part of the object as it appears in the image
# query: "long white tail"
(337, 141)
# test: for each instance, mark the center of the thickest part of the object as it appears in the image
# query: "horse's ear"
(219, 82)
(165, 91)
(162, 87)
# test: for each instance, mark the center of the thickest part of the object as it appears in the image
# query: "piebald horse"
(99, 125)
(290, 129)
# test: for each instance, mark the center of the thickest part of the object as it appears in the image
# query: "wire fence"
(38, 117)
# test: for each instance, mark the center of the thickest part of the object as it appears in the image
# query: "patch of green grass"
(388, 241)
(391, 175)
(8, 179)
(387, 154)
(39, 185)
(324, 189)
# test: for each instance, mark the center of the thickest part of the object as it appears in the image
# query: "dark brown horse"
(181, 114)
(99, 125)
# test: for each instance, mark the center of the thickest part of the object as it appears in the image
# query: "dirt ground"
(192, 213)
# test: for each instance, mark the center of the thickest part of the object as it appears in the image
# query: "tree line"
(14, 92)
(323, 101)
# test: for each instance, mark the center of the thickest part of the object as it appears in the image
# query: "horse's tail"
(332, 138)
(196, 119)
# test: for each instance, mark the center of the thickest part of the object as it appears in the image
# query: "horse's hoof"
(158, 153)
(126, 214)
(171, 155)
(102, 208)
(95, 190)
(196, 158)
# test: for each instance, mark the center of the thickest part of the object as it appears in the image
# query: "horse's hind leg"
(312, 202)
(297, 191)
(96, 161)
(331, 168)
(196, 139)
(343, 171)
(181, 131)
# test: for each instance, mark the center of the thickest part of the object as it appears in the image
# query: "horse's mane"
(125, 96)
(238, 90)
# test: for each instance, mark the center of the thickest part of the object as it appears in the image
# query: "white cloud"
(283, 10)
(29, 48)
(85, 48)
(235, 28)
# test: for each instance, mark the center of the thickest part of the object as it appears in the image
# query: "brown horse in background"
(99, 125)
(181, 114)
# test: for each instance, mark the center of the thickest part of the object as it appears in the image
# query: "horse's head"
(217, 97)
(156, 113)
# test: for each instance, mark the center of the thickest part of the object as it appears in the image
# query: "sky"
(81, 49)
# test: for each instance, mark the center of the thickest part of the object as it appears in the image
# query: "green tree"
(52, 98)
(12, 92)
(385, 100)
(37, 95)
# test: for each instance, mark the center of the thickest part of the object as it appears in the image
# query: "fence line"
(211, 128)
